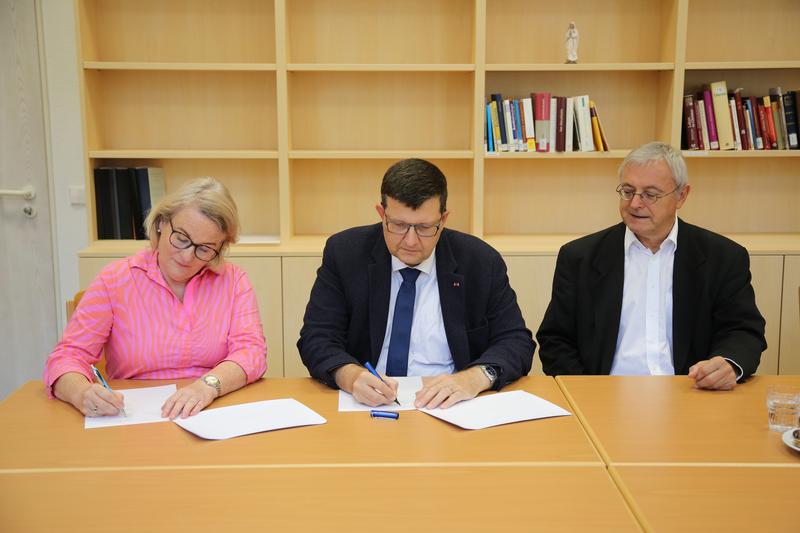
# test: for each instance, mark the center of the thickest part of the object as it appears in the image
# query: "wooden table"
(663, 419)
(352, 473)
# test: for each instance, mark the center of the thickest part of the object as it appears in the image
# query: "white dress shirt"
(428, 353)
(644, 340)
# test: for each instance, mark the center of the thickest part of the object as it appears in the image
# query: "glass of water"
(783, 407)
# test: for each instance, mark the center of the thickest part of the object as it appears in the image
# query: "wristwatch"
(213, 381)
(490, 373)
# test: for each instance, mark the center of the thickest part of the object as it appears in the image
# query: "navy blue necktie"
(397, 361)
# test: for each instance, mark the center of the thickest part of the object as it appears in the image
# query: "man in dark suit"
(653, 294)
(413, 298)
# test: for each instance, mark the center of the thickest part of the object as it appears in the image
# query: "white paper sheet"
(247, 418)
(142, 406)
(497, 409)
(406, 393)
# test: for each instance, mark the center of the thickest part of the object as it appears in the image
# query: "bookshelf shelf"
(383, 67)
(743, 154)
(742, 65)
(131, 65)
(183, 154)
(380, 154)
(580, 67)
(611, 154)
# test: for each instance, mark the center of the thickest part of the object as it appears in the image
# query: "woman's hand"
(96, 400)
(188, 401)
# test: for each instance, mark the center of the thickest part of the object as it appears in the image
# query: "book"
(764, 115)
(790, 115)
(104, 199)
(489, 129)
(604, 142)
(510, 130)
(569, 125)
(775, 116)
(749, 127)
(596, 138)
(752, 109)
(498, 99)
(498, 143)
(583, 120)
(542, 120)
(737, 140)
(713, 139)
(561, 122)
(150, 188)
(530, 125)
(551, 141)
(522, 144)
(776, 96)
(722, 115)
(690, 141)
(703, 124)
(698, 106)
(737, 98)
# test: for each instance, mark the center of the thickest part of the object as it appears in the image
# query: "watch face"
(212, 381)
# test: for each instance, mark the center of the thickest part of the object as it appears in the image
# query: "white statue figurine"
(571, 42)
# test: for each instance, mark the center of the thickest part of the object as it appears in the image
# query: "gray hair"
(659, 151)
(211, 198)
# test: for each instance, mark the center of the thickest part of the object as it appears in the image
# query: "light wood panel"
(299, 274)
(664, 419)
(714, 499)
(185, 30)
(331, 195)
(790, 317)
(346, 439)
(742, 30)
(319, 499)
(546, 196)
(265, 275)
(744, 195)
(767, 283)
(182, 109)
(369, 31)
(532, 280)
(347, 111)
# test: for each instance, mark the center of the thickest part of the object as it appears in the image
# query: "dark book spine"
(743, 134)
(689, 123)
(790, 113)
(497, 97)
(124, 186)
(104, 202)
(561, 124)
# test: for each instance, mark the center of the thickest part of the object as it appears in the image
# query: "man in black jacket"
(413, 298)
(653, 294)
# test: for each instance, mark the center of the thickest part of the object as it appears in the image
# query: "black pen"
(375, 373)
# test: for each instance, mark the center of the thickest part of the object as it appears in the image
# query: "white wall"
(65, 136)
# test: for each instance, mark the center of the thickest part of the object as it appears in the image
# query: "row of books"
(718, 120)
(123, 198)
(543, 123)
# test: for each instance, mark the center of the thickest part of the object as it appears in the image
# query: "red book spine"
(743, 133)
(757, 122)
(689, 123)
(713, 139)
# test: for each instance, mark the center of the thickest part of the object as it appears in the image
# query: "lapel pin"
(456, 284)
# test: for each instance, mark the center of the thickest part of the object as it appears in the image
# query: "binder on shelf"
(150, 188)
(722, 115)
(105, 193)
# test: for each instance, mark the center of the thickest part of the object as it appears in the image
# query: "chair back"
(71, 306)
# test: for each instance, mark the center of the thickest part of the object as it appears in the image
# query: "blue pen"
(375, 373)
(105, 384)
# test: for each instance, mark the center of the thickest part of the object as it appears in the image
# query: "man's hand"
(713, 374)
(445, 391)
(365, 387)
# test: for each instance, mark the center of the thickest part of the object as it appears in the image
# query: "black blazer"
(345, 320)
(714, 309)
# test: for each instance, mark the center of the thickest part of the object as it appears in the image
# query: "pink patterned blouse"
(148, 333)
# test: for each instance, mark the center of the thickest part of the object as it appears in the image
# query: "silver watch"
(213, 381)
(490, 373)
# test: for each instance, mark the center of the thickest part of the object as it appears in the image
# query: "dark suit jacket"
(714, 309)
(345, 320)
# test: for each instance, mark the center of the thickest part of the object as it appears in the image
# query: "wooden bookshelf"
(299, 106)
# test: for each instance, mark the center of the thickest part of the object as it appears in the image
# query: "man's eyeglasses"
(648, 197)
(401, 228)
(181, 241)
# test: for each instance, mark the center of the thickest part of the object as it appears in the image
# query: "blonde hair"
(208, 196)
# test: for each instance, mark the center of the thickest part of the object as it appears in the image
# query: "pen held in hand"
(374, 372)
(105, 384)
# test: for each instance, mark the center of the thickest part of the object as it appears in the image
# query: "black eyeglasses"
(401, 228)
(181, 241)
(648, 197)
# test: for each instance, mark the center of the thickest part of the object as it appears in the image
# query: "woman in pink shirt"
(174, 310)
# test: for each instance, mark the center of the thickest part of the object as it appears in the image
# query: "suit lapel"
(380, 282)
(689, 255)
(606, 289)
(453, 302)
